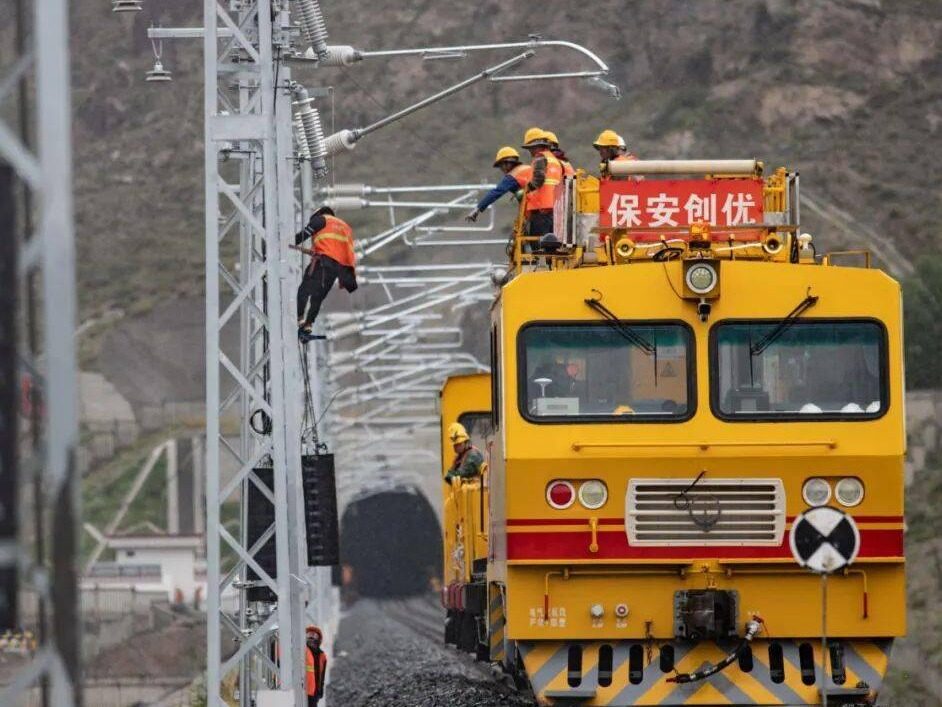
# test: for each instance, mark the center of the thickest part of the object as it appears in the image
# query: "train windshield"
(807, 371)
(622, 372)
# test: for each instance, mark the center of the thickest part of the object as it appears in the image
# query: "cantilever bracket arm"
(532, 43)
(598, 73)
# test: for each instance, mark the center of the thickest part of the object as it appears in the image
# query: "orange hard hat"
(314, 630)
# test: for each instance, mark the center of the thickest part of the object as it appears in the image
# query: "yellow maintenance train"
(676, 376)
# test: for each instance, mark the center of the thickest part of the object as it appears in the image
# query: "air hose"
(752, 628)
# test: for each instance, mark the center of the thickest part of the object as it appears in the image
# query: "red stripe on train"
(613, 545)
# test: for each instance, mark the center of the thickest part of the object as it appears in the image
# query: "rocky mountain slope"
(847, 91)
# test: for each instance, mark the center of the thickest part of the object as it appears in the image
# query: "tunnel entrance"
(390, 545)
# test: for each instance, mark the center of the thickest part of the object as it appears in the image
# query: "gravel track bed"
(390, 654)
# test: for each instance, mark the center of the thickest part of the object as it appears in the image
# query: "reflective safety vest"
(335, 240)
(624, 157)
(568, 169)
(544, 197)
(522, 173)
(312, 674)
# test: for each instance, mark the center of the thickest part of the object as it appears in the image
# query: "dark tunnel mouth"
(392, 542)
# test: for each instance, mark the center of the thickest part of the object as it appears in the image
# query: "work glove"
(473, 216)
(531, 186)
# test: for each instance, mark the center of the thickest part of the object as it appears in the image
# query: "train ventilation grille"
(721, 512)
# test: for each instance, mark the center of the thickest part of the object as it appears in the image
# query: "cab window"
(602, 372)
(810, 370)
(479, 426)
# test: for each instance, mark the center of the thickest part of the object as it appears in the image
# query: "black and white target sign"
(824, 540)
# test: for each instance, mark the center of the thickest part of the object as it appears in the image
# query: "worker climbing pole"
(333, 259)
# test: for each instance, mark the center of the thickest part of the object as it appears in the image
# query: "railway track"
(425, 618)
(391, 653)
(421, 615)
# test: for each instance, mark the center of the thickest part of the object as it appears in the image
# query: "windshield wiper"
(766, 341)
(626, 332)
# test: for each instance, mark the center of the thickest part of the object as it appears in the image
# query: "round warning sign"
(824, 540)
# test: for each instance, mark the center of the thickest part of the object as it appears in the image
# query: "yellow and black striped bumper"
(548, 668)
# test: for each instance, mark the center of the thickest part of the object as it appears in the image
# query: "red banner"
(666, 204)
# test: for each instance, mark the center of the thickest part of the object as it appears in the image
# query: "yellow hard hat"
(457, 433)
(535, 137)
(609, 138)
(506, 153)
(551, 136)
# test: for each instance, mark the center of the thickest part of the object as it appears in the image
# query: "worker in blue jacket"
(516, 177)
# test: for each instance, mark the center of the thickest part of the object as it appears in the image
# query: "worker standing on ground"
(612, 148)
(541, 190)
(516, 176)
(568, 169)
(469, 462)
(315, 666)
(332, 259)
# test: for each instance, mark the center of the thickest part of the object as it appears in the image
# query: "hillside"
(848, 92)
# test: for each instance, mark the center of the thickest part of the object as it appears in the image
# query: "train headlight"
(849, 492)
(560, 494)
(701, 278)
(816, 492)
(593, 494)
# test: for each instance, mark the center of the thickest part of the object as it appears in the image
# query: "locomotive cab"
(668, 396)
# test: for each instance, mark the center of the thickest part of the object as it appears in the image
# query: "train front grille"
(730, 512)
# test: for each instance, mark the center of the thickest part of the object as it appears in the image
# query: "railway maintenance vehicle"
(676, 375)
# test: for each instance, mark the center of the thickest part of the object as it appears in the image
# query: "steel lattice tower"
(249, 281)
(43, 268)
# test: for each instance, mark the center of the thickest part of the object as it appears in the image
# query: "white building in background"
(155, 563)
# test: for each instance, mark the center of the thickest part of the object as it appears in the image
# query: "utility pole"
(41, 263)
(248, 121)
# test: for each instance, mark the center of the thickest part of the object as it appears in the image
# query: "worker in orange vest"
(315, 666)
(515, 179)
(568, 169)
(333, 259)
(612, 148)
(541, 190)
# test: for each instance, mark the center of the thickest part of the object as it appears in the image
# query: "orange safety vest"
(522, 173)
(311, 674)
(335, 240)
(568, 169)
(625, 157)
(544, 197)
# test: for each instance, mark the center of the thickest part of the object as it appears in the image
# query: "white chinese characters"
(663, 210)
(736, 208)
(624, 211)
(701, 208)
